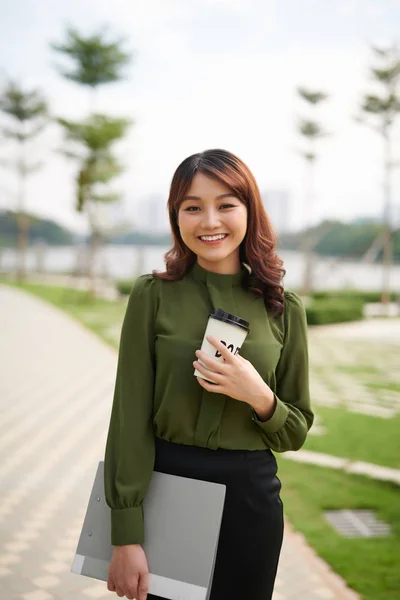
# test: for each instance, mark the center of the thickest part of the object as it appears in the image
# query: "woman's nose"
(211, 219)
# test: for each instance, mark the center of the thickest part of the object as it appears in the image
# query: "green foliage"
(96, 134)
(96, 61)
(92, 141)
(309, 129)
(138, 238)
(335, 238)
(321, 312)
(124, 286)
(26, 115)
(364, 296)
(387, 104)
(39, 229)
(310, 96)
(22, 107)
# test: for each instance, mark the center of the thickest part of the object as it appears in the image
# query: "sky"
(209, 74)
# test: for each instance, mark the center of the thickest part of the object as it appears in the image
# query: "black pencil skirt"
(252, 522)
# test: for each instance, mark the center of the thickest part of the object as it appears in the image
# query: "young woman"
(165, 418)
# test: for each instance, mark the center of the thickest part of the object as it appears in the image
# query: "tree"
(26, 115)
(90, 144)
(311, 131)
(385, 109)
(95, 61)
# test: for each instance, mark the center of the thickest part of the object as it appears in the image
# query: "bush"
(124, 286)
(320, 312)
(365, 296)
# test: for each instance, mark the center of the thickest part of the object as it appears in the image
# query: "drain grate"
(357, 523)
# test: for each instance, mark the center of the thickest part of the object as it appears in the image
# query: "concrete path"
(345, 464)
(55, 400)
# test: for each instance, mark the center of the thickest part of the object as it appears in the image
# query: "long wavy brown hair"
(258, 246)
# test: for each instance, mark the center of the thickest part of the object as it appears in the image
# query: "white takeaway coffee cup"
(229, 329)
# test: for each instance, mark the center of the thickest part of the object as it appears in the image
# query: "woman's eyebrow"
(230, 194)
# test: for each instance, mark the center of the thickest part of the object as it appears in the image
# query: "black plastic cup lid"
(221, 315)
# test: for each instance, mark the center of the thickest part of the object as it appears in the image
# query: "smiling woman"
(212, 228)
(215, 192)
(165, 418)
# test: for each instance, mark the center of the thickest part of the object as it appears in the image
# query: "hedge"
(320, 312)
(365, 296)
(124, 286)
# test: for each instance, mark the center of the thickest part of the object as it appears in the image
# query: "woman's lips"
(214, 242)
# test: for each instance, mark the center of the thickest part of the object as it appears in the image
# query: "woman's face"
(204, 212)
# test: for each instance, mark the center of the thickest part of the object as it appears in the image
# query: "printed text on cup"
(230, 347)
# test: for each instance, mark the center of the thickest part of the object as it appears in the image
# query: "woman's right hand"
(128, 574)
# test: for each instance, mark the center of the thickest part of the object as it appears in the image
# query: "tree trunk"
(306, 244)
(387, 263)
(22, 221)
(94, 246)
(93, 252)
(387, 236)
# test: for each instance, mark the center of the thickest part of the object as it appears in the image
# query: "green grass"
(384, 385)
(357, 436)
(369, 565)
(372, 377)
(359, 370)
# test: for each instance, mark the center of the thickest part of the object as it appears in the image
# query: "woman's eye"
(222, 206)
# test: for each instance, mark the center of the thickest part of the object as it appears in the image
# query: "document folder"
(182, 520)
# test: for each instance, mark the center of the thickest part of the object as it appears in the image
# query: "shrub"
(365, 296)
(320, 312)
(124, 286)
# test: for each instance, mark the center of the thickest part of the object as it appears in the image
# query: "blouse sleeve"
(288, 426)
(130, 446)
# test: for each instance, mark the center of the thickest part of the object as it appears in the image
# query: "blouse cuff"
(127, 526)
(276, 421)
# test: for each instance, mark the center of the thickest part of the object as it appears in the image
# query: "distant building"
(277, 205)
(152, 214)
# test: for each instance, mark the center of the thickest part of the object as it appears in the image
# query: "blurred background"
(99, 103)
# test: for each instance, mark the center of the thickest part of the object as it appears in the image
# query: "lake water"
(120, 262)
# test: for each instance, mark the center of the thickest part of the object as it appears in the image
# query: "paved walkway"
(55, 400)
(345, 464)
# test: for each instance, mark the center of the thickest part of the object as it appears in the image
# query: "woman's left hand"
(236, 377)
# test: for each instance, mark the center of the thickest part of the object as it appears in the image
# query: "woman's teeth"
(213, 238)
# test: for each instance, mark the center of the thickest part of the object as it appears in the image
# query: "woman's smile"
(213, 240)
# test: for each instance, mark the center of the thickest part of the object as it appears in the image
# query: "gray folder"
(182, 520)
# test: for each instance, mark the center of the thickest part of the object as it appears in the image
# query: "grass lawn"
(357, 436)
(369, 565)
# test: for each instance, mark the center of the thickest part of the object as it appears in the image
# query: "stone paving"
(55, 401)
(356, 366)
(345, 464)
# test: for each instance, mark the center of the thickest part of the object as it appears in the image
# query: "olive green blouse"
(157, 394)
